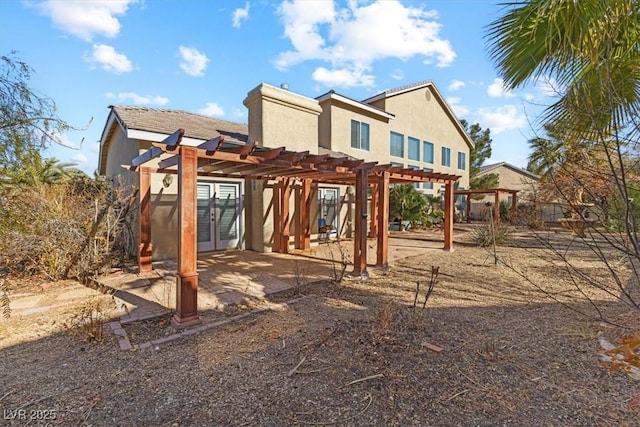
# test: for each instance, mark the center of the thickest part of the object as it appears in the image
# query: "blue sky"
(204, 56)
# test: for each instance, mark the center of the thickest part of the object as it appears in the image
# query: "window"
(427, 185)
(415, 168)
(462, 160)
(397, 144)
(446, 156)
(359, 135)
(427, 152)
(414, 148)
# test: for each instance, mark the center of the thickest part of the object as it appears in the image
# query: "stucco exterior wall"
(337, 116)
(419, 114)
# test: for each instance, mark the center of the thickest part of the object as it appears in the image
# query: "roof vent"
(284, 86)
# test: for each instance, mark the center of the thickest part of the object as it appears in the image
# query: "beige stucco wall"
(419, 114)
(513, 180)
(337, 117)
(277, 117)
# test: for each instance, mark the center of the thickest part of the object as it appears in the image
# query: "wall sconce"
(167, 180)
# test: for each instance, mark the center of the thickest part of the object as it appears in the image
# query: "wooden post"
(285, 220)
(144, 221)
(382, 254)
(468, 214)
(373, 224)
(360, 244)
(187, 278)
(448, 215)
(514, 204)
(303, 235)
(496, 207)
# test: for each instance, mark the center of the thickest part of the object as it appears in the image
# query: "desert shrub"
(72, 229)
(483, 235)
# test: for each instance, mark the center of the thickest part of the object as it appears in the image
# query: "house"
(409, 128)
(514, 183)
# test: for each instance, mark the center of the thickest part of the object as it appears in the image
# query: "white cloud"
(137, 99)
(507, 117)
(458, 109)
(84, 19)
(342, 77)
(211, 109)
(194, 63)
(397, 74)
(239, 113)
(497, 89)
(355, 37)
(80, 158)
(109, 59)
(456, 85)
(239, 15)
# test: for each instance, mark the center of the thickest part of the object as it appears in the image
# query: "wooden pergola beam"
(382, 253)
(187, 277)
(448, 215)
(211, 145)
(360, 244)
(145, 249)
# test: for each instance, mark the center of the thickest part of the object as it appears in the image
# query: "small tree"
(406, 203)
(28, 120)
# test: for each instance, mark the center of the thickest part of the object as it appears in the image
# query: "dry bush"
(75, 229)
(486, 234)
(88, 321)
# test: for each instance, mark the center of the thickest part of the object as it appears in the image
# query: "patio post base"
(179, 323)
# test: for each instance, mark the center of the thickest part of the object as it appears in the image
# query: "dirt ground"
(488, 349)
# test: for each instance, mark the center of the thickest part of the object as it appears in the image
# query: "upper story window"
(427, 185)
(414, 148)
(462, 160)
(446, 156)
(397, 144)
(427, 152)
(359, 135)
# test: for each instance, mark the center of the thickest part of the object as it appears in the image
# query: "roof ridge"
(173, 111)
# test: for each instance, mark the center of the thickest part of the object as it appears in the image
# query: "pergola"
(217, 158)
(496, 205)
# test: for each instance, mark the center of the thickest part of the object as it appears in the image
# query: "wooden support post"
(360, 244)
(285, 220)
(448, 215)
(382, 254)
(468, 213)
(303, 235)
(496, 208)
(187, 278)
(373, 224)
(144, 221)
(514, 205)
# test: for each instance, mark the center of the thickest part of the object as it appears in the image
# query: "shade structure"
(217, 158)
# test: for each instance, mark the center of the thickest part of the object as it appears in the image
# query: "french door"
(219, 206)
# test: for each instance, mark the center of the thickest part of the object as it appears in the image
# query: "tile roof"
(487, 168)
(168, 121)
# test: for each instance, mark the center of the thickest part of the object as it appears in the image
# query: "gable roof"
(167, 121)
(155, 124)
(420, 85)
(488, 168)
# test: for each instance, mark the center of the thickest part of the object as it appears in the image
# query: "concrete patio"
(235, 277)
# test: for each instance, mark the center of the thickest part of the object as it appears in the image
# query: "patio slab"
(235, 277)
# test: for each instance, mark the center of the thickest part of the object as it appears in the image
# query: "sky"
(204, 56)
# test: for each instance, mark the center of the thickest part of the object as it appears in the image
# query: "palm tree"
(406, 204)
(35, 170)
(591, 48)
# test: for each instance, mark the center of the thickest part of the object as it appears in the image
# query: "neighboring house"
(509, 177)
(411, 127)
